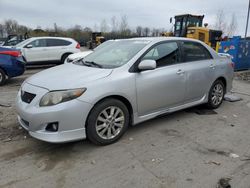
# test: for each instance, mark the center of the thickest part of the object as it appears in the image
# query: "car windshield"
(104, 44)
(114, 55)
(22, 43)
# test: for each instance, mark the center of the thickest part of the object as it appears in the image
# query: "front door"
(164, 86)
(36, 51)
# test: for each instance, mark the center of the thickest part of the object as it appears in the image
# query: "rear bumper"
(16, 69)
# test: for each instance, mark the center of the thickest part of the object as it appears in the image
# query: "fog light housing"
(52, 127)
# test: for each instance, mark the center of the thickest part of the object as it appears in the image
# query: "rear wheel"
(107, 122)
(2, 77)
(216, 94)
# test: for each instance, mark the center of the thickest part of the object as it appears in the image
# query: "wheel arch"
(4, 71)
(65, 53)
(123, 99)
(223, 79)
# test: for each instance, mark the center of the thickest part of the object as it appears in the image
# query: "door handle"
(212, 66)
(180, 72)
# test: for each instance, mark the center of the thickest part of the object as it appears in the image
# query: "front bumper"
(71, 117)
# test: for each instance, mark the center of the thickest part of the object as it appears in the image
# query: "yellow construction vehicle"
(96, 39)
(208, 36)
(191, 26)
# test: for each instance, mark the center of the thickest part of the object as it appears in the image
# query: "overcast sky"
(67, 13)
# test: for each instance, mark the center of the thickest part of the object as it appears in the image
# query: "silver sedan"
(122, 84)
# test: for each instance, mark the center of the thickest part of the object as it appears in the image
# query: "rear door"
(36, 51)
(164, 86)
(200, 69)
(57, 47)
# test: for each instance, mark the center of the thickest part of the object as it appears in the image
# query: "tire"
(216, 94)
(64, 57)
(2, 77)
(111, 128)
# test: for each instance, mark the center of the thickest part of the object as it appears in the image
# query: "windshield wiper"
(91, 64)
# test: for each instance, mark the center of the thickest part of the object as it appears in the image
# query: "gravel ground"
(244, 75)
(191, 148)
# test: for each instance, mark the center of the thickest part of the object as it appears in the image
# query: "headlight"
(56, 97)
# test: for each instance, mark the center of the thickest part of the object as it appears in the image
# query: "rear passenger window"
(57, 42)
(38, 43)
(164, 54)
(193, 51)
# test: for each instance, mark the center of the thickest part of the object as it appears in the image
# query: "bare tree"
(104, 26)
(139, 31)
(146, 31)
(95, 28)
(232, 27)
(1, 30)
(124, 24)
(87, 29)
(22, 29)
(11, 26)
(220, 23)
(114, 24)
(156, 32)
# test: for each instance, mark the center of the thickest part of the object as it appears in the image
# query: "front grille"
(27, 97)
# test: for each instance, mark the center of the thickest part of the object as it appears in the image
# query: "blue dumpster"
(239, 49)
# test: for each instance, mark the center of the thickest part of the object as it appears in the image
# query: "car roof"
(49, 37)
(159, 39)
(154, 40)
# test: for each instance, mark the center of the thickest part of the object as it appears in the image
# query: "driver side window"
(164, 54)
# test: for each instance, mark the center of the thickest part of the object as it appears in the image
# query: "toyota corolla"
(122, 84)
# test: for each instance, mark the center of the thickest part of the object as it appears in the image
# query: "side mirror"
(171, 20)
(147, 64)
(29, 46)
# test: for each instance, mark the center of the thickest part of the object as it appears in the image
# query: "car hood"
(67, 76)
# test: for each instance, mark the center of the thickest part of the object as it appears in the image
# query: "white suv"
(39, 50)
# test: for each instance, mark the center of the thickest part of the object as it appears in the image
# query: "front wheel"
(216, 94)
(64, 58)
(107, 122)
(2, 77)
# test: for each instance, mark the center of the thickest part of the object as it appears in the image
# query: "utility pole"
(247, 18)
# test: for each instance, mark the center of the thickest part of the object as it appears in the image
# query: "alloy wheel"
(110, 122)
(217, 94)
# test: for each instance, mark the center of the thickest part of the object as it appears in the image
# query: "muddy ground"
(192, 148)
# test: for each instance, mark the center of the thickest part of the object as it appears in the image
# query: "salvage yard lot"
(190, 148)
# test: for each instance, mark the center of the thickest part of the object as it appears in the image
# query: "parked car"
(12, 64)
(80, 55)
(128, 82)
(40, 50)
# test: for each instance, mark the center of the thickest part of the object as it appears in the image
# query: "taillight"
(78, 46)
(12, 53)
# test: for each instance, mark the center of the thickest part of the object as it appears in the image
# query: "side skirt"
(139, 119)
